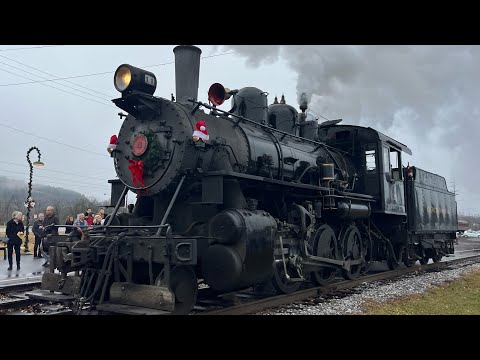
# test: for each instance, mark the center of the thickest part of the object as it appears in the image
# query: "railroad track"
(16, 284)
(237, 303)
(21, 304)
(249, 306)
(14, 301)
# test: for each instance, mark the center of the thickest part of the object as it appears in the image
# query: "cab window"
(392, 163)
(370, 161)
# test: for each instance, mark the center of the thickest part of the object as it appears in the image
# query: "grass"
(460, 297)
(31, 241)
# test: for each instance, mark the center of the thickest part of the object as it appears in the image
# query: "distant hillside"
(13, 194)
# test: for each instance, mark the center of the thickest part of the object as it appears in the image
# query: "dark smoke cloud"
(425, 96)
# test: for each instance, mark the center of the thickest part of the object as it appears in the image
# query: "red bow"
(136, 168)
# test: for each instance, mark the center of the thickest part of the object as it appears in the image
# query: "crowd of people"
(42, 228)
(85, 220)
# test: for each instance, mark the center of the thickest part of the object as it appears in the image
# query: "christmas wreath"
(151, 157)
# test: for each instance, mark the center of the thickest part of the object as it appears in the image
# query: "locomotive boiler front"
(151, 148)
(152, 142)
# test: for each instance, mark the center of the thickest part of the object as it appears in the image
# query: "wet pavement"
(467, 244)
(28, 267)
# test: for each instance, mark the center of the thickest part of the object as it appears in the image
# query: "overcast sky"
(424, 96)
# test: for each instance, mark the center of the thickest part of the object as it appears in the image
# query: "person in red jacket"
(89, 217)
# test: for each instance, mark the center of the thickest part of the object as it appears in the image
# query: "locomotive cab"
(378, 159)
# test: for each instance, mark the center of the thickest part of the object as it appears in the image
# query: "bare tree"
(66, 202)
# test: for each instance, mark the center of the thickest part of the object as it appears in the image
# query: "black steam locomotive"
(259, 196)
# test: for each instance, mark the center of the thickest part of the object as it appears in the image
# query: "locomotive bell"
(129, 78)
(217, 94)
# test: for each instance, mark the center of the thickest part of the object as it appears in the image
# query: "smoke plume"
(424, 96)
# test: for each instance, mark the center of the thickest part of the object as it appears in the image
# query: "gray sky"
(423, 96)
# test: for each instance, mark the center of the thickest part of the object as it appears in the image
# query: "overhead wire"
(31, 47)
(109, 97)
(67, 86)
(56, 80)
(68, 92)
(55, 183)
(55, 171)
(41, 82)
(56, 180)
(107, 72)
(59, 78)
(54, 141)
(313, 112)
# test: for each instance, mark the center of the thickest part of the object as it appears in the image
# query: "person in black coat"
(38, 231)
(68, 224)
(50, 219)
(14, 231)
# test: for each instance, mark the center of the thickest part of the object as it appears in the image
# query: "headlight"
(129, 78)
(123, 76)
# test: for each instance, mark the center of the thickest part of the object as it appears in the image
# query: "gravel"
(380, 291)
(4, 297)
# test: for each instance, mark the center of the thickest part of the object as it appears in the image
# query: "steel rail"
(286, 299)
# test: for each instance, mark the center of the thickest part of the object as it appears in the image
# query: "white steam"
(427, 97)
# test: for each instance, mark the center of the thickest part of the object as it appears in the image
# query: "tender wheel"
(325, 245)
(353, 250)
(409, 262)
(184, 285)
(366, 267)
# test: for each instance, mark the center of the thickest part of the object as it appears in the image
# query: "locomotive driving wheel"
(424, 260)
(280, 281)
(325, 245)
(352, 250)
(436, 257)
(184, 285)
(399, 253)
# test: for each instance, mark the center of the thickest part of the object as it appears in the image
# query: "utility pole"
(453, 184)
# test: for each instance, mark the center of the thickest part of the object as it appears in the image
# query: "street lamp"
(30, 203)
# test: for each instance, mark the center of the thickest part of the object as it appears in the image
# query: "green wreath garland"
(152, 155)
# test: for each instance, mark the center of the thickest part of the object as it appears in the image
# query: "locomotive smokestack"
(187, 68)
(303, 102)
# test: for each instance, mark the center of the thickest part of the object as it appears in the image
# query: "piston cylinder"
(242, 252)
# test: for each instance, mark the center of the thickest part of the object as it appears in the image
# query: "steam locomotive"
(259, 196)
